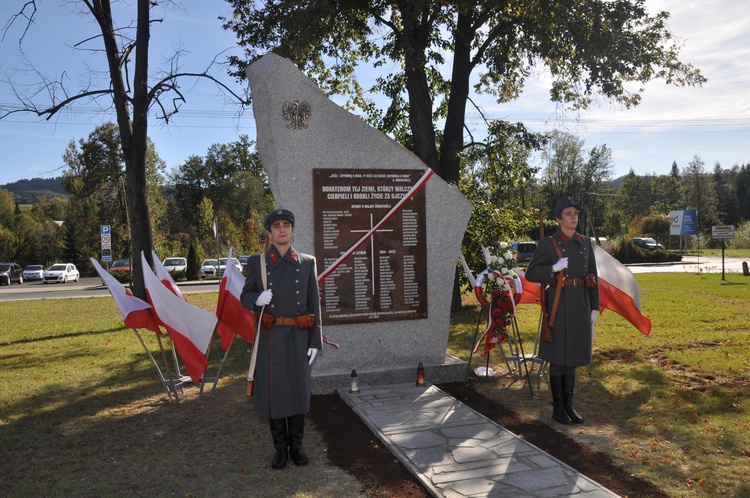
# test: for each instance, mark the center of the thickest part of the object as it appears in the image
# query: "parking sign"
(106, 239)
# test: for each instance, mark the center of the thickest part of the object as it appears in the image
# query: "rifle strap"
(254, 355)
(560, 277)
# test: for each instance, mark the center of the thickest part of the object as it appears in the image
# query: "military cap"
(278, 214)
(564, 202)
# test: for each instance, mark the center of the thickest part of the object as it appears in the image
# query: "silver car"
(33, 272)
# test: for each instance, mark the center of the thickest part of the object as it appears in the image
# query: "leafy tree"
(38, 240)
(634, 196)
(7, 208)
(675, 171)
(700, 194)
(666, 194)
(127, 87)
(438, 50)
(232, 178)
(95, 181)
(568, 171)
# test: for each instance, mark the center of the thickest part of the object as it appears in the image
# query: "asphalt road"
(92, 286)
(85, 287)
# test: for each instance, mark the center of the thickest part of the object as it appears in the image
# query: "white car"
(208, 268)
(173, 265)
(61, 272)
(223, 264)
(33, 272)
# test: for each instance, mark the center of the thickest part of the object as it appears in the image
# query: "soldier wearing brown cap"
(572, 332)
(288, 338)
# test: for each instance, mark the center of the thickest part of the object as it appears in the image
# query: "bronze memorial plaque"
(385, 278)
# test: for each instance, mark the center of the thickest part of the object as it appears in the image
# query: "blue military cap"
(278, 214)
(564, 202)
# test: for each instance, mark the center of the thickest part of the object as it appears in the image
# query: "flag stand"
(515, 359)
(169, 384)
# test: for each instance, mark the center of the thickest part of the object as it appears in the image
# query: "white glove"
(264, 298)
(561, 264)
(311, 353)
(593, 321)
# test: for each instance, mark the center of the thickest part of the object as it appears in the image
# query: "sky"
(671, 124)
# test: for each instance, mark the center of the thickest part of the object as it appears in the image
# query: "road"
(86, 287)
(92, 286)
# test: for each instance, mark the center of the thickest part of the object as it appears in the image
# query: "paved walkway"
(457, 452)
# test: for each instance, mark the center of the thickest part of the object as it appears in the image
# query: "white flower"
(507, 255)
(493, 259)
(503, 245)
(486, 254)
(492, 277)
(500, 260)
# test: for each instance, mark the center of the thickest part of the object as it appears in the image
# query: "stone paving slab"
(457, 452)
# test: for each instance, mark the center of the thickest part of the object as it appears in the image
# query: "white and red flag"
(165, 277)
(618, 290)
(190, 328)
(136, 313)
(233, 317)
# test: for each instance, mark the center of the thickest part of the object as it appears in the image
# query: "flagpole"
(156, 366)
(221, 365)
(169, 370)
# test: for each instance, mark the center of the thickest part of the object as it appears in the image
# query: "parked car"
(208, 268)
(647, 243)
(223, 264)
(524, 251)
(33, 272)
(121, 265)
(61, 272)
(175, 265)
(243, 262)
(10, 272)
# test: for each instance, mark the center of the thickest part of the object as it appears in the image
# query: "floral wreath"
(498, 288)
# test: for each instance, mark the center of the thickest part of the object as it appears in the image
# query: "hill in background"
(27, 191)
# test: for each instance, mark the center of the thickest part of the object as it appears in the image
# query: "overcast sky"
(671, 123)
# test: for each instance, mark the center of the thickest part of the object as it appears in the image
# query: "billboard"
(683, 222)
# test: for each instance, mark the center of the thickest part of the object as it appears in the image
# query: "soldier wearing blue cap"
(289, 335)
(565, 264)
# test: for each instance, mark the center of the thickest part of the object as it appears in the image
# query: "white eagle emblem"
(296, 113)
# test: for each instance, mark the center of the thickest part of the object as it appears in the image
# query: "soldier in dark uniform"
(288, 338)
(572, 332)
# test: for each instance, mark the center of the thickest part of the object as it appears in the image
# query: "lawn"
(82, 412)
(673, 406)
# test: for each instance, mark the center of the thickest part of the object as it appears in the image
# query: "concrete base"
(451, 370)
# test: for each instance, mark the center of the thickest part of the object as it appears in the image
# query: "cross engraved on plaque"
(372, 248)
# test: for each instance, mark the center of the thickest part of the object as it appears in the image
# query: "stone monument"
(386, 232)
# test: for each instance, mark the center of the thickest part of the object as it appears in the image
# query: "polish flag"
(136, 313)
(165, 277)
(618, 290)
(532, 292)
(233, 317)
(190, 328)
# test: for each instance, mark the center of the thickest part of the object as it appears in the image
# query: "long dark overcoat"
(282, 372)
(572, 331)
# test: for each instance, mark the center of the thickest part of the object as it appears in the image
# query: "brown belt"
(302, 321)
(573, 282)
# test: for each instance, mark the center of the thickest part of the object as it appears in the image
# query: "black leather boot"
(296, 431)
(558, 409)
(568, 383)
(280, 442)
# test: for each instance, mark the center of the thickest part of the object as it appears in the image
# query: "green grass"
(672, 407)
(82, 413)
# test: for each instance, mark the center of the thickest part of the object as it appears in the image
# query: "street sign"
(722, 231)
(106, 239)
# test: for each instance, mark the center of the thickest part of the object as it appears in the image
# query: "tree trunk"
(453, 134)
